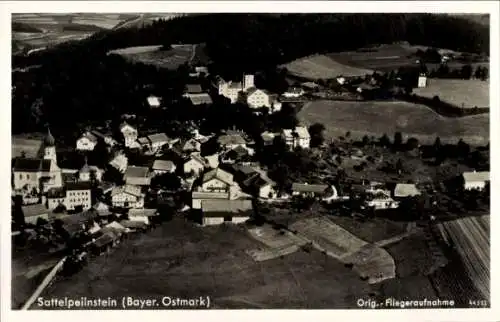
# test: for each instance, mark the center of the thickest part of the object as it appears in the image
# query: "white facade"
(84, 174)
(267, 191)
(76, 198)
(210, 221)
(127, 200)
(422, 81)
(129, 134)
(85, 144)
(383, 203)
(298, 137)
(248, 82)
(232, 90)
(258, 98)
(471, 185)
(193, 165)
(215, 185)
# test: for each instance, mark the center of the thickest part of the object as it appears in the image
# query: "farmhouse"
(237, 154)
(213, 160)
(298, 137)
(127, 196)
(216, 212)
(163, 166)
(200, 98)
(156, 141)
(475, 180)
(138, 176)
(86, 142)
(217, 180)
(142, 215)
(33, 212)
(403, 190)
(191, 145)
(195, 165)
(261, 186)
(380, 199)
(129, 134)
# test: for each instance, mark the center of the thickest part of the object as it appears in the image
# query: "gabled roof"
(125, 124)
(136, 172)
(209, 195)
(142, 212)
(220, 175)
(194, 88)
(165, 165)
(304, 187)
(300, 131)
(197, 158)
(234, 207)
(476, 176)
(200, 98)
(128, 189)
(253, 90)
(158, 138)
(31, 165)
(230, 139)
(34, 210)
(406, 190)
(78, 186)
(192, 144)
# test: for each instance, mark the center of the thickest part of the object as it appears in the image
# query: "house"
(191, 145)
(119, 162)
(231, 141)
(324, 191)
(127, 197)
(78, 194)
(86, 142)
(475, 180)
(33, 212)
(341, 80)
(422, 81)
(233, 90)
(195, 165)
(157, 141)
(163, 166)
(137, 176)
(217, 180)
(239, 153)
(261, 186)
(297, 137)
(403, 190)
(257, 98)
(102, 209)
(80, 222)
(380, 199)
(129, 134)
(293, 92)
(267, 138)
(142, 215)
(200, 98)
(153, 101)
(105, 242)
(216, 212)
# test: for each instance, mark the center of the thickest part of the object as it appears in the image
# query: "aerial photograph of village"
(250, 161)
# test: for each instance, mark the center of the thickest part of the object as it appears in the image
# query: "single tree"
(398, 140)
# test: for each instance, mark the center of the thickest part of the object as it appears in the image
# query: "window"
(20, 176)
(28, 176)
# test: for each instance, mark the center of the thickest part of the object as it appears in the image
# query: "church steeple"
(49, 147)
(49, 139)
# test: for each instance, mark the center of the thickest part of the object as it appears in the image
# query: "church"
(32, 176)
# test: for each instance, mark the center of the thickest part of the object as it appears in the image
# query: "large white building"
(297, 137)
(71, 196)
(127, 196)
(232, 90)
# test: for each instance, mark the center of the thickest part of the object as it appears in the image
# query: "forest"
(79, 84)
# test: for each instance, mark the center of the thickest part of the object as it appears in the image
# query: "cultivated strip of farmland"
(470, 237)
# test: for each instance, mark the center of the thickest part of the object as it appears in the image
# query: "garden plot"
(277, 243)
(369, 261)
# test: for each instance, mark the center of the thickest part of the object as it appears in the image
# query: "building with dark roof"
(216, 212)
(33, 212)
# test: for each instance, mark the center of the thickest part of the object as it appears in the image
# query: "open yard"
(459, 92)
(322, 67)
(377, 118)
(179, 259)
(154, 55)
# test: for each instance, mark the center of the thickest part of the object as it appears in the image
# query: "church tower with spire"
(49, 147)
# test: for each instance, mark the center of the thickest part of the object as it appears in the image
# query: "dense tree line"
(79, 84)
